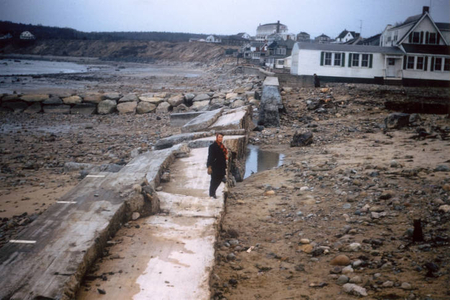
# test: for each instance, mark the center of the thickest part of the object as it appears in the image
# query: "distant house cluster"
(26, 35)
(414, 52)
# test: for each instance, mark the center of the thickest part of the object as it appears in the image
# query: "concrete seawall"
(51, 256)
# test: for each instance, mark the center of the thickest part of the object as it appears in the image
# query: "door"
(390, 68)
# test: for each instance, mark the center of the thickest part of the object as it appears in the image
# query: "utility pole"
(360, 27)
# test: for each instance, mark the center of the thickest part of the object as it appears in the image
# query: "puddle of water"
(259, 160)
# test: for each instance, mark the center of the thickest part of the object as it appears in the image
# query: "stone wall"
(295, 80)
(107, 103)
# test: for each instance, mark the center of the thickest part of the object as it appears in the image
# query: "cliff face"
(123, 50)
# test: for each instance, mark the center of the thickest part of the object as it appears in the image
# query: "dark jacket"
(216, 159)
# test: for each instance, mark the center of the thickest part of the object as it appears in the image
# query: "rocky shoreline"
(335, 221)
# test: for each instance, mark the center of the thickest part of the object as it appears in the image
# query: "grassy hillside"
(139, 51)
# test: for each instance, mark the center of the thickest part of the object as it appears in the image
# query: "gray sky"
(220, 17)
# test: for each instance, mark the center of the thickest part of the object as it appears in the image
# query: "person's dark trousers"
(216, 179)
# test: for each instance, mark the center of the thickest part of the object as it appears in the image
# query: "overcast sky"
(220, 17)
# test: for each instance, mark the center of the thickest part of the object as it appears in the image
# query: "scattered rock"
(342, 280)
(396, 120)
(354, 289)
(444, 208)
(106, 107)
(340, 260)
(135, 216)
(300, 140)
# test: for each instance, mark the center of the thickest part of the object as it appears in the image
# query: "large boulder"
(106, 107)
(163, 107)
(145, 107)
(129, 98)
(176, 100)
(188, 98)
(127, 107)
(93, 98)
(302, 139)
(200, 105)
(112, 96)
(34, 98)
(72, 100)
(396, 120)
(151, 98)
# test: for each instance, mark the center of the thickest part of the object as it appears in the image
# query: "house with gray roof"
(415, 52)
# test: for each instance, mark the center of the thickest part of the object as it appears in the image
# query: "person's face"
(219, 138)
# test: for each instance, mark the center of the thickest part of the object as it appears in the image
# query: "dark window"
(391, 61)
(416, 37)
(438, 64)
(410, 64)
(327, 59)
(365, 60)
(419, 65)
(432, 38)
(447, 64)
(355, 60)
(337, 59)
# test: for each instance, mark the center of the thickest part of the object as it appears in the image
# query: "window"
(447, 64)
(355, 60)
(395, 35)
(432, 38)
(327, 58)
(337, 59)
(365, 60)
(391, 61)
(416, 37)
(419, 64)
(280, 51)
(410, 63)
(438, 64)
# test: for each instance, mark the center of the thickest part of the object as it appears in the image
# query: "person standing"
(316, 80)
(216, 163)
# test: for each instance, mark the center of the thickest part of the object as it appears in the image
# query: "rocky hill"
(138, 51)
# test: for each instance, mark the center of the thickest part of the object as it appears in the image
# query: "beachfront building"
(415, 52)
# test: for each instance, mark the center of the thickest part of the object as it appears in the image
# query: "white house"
(346, 63)
(244, 35)
(213, 39)
(346, 36)
(26, 35)
(415, 52)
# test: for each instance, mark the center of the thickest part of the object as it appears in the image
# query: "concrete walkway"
(177, 257)
(192, 222)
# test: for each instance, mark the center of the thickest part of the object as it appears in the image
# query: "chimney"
(278, 26)
(426, 9)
